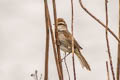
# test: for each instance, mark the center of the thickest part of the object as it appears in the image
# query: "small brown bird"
(65, 42)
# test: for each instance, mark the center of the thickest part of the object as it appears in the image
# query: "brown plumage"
(65, 41)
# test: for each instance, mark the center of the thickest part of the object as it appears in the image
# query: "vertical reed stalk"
(56, 36)
(47, 43)
(107, 40)
(53, 43)
(108, 75)
(73, 40)
(118, 59)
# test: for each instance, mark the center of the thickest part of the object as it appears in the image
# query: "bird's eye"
(61, 23)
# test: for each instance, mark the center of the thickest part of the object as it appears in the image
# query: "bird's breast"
(64, 45)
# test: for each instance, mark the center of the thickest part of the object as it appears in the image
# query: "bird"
(65, 42)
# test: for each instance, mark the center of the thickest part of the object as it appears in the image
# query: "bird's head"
(61, 24)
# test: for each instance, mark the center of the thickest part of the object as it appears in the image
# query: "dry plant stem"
(40, 77)
(98, 21)
(108, 76)
(66, 66)
(74, 67)
(108, 47)
(36, 75)
(54, 47)
(56, 36)
(73, 41)
(47, 42)
(33, 75)
(118, 59)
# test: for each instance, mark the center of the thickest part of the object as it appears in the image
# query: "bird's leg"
(65, 56)
(66, 65)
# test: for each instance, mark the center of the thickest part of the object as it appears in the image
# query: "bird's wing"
(68, 36)
(77, 45)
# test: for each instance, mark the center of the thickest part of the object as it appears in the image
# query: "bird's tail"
(83, 62)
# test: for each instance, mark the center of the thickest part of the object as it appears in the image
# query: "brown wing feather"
(68, 36)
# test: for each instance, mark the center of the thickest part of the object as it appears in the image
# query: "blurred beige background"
(22, 38)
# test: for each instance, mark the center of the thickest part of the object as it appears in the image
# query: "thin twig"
(108, 76)
(118, 59)
(47, 42)
(54, 47)
(100, 22)
(66, 66)
(107, 40)
(73, 41)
